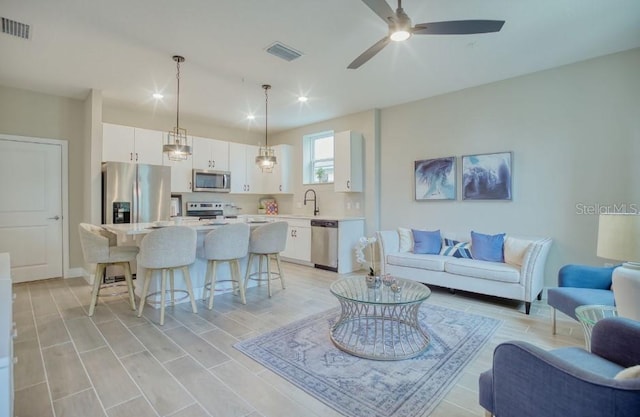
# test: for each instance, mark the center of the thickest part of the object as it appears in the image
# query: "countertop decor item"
(177, 148)
(266, 158)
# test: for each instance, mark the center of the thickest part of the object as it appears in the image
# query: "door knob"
(54, 218)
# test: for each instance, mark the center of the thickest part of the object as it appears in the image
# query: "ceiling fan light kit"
(400, 28)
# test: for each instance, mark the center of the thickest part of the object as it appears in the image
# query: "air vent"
(13, 28)
(283, 51)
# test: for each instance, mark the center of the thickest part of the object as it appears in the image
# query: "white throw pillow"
(629, 373)
(406, 239)
(514, 250)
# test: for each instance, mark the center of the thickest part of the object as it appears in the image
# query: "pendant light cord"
(178, 100)
(266, 113)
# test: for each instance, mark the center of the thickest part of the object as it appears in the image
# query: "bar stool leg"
(268, 274)
(173, 296)
(207, 280)
(97, 281)
(235, 275)
(246, 275)
(145, 290)
(214, 265)
(129, 279)
(163, 295)
(187, 280)
(280, 273)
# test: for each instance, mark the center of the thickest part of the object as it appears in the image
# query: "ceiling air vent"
(13, 28)
(283, 51)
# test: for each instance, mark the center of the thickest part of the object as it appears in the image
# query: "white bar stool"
(99, 247)
(163, 250)
(229, 243)
(267, 242)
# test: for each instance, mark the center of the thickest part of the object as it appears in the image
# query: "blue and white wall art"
(436, 179)
(486, 176)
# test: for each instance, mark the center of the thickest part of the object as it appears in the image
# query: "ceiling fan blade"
(369, 53)
(458, 27)
(381, 8)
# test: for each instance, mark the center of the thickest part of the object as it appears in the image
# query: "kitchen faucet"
(316, 210)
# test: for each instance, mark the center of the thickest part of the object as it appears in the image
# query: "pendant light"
(177, 148)
(266, 158)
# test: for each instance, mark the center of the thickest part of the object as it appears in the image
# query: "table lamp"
(619, 239)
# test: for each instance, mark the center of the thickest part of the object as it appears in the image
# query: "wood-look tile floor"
(115, 364)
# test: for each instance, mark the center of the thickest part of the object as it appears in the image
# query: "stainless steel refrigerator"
(135, 193)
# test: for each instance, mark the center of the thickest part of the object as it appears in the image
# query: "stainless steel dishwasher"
(324, 244)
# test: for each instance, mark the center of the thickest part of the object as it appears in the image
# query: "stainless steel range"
(205, 210)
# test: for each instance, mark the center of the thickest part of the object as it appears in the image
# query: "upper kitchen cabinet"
(348, 162)
(129, 144)
(246, 178)
(210, 154)
(280, 181)
(181, 171)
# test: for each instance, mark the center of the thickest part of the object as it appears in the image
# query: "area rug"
(302, 353)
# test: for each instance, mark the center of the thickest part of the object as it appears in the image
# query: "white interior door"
(31, 208)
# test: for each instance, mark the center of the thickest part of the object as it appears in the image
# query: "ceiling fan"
(400, 28)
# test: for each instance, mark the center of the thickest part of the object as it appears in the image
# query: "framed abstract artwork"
(487, 176)
(435, 179)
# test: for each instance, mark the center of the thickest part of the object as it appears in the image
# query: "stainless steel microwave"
(211, 181)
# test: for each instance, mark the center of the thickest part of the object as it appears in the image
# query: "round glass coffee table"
(379, 323)
(589, 315)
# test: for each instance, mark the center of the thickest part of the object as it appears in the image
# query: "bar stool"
(267, 242)
(163, 250)
(99, 247)
(229, 244)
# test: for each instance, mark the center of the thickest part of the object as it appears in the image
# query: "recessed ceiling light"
(303, 99)
(250, 117)
(158, 96)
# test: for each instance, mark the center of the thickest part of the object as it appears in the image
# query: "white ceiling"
(124, 48)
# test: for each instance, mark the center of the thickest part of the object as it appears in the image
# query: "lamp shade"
(619, 237)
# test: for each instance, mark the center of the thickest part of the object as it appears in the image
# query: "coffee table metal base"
(381, 332)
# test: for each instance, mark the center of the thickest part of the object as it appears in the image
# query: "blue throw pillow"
(426, 242)
(456, 249)
(487, 247)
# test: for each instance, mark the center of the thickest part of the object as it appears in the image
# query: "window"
(318, 158)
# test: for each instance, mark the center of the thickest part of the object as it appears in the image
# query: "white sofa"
(509, 280)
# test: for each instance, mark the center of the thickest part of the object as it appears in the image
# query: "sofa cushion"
(427, 242)
(456, 249)
(413, 260)
(487, 247)
(406, 239)
(494, 271)
(515, 249)
(566, 299)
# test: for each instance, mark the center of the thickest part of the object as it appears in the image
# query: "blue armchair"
(580, 285)
(527, 381)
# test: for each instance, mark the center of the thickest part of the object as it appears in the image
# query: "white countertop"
(303, 217)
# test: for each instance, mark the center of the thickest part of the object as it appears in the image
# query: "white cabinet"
(348, 162)
(210, 154)
(280, 181)
(129, 144)
(246, 178)
(298, 246)
(181, 173)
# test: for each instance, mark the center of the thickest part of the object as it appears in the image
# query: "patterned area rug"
(302, 353)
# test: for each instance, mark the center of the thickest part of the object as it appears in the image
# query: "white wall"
(574, 132)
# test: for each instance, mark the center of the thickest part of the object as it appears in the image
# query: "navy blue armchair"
(580, 285)
(527, 381)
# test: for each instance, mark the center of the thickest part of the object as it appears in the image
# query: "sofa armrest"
(585, 276)
(529, 381)
(388, 242)
(533, 265)
(617, 339)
